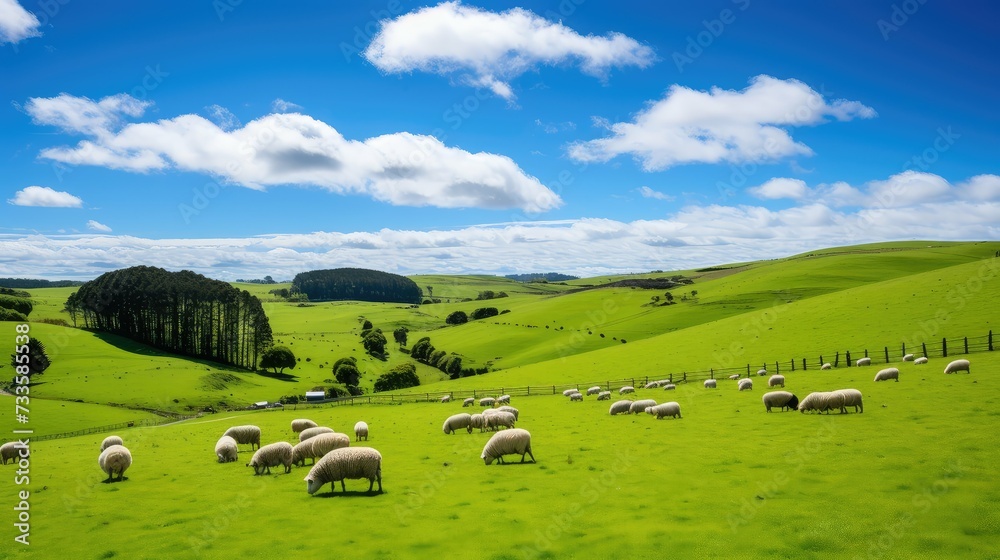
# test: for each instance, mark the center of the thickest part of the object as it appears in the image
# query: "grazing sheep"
(649, 410)
(111, 440)
(505, 419)
(509, 409)
(851, 397)
(863, 362)
(272, 455)
(471, 401)
(593, 390)
(652, 385)
(361, 431)
(313, 432)
(504, 399)
(813, 401)
(734, 377)
(604, 396)
(344, 463)
(626, 389)
(710, 384)
(446, 398)
(827, 365)
(887, 374)
(745, 384)
(776, 381)
(456, 422)
(908, 358)
(638, 406)
(487, 401)
(115, 458)
(508, 442)
(300, 424)
(477, 421)
(670, 409)
(245, 434)
(11, 450)
(226, 450)
(780, 399)
(620, 407)
(761, 372)
(301, 452)
(569, 392)
(669, 387)
(957, 366)
(325, 443)
(576, 397)
(920, 360)
(573, 393)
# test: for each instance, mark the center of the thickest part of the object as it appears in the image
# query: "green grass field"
(913, 476)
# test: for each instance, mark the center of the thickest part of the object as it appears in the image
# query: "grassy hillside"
(726, 480)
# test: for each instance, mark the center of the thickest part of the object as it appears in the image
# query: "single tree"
(374, 343)
(367, 326)
(457, 318)
(348, 374)
(37, 360)
(277, 358)
(669, 296)
(399, 335)
(430, 291)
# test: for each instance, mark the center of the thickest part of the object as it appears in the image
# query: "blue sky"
(240, 139)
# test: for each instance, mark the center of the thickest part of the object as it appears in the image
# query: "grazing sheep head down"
(312, 486)
(793, 403)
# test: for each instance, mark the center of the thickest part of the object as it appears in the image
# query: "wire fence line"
(112, 427)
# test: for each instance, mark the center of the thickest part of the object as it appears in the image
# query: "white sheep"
(471, 401)
(313, 432)
(301, 452)
(734, 377)
(776, 381)
(446, 398)
(908, 358)
(604, 396)
(300, 424)
(272, 455)
(827, 365)
(573, 393)
(116, 458)
(669, 387)
(487, 401)
(851, 397)
(508, 442)
(745, 384)
(638, 406)
(361, 431)
(887, 374)
(670, 409)
(957, 366)
(710, 384)
(761, 372)
(626, 389)
(863, 362)
(456, 422)
(477, 421)
(325, 443)
(505, 419)
(569, 392)
(503, 399)
(813, 401)
(226, 449)
(344, 463)
(652, 385)
(920, 360)
(593, 390)
(11, 450)
(620, 407)
(509, 409)
(576, 397)
(780, 399)
(245, 434)
(111, 440)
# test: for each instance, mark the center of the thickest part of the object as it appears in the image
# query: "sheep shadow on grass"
(114, 480)
(348, 494)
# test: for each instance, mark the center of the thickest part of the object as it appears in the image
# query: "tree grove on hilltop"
(357, 284)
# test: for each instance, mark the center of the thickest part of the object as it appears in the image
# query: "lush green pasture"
(46, 416)
(913, 476)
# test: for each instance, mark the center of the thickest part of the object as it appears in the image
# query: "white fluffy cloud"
(16, 23)
(780, 187)
(690, 126)
(279, 105)
(647, 192)
(98, 226)
(45, 196)
(223, 117)
(693, 237)
(488, 49)
(290, 149)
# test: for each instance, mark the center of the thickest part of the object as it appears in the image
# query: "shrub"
(484, 312)
(457, 318)
(399, 377)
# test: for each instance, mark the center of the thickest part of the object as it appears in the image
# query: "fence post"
(711, 373)
(944, 347)
(886, 354)
(821, 362)
(904, 349)
(685, 377)
(777, 368)
(990, 339)
(529, 390)
(748, 370)
(866, 352)
(966, 345)
(804, 364)
(836, 359)
(849, 362)
(792, 362)
(924, 345)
